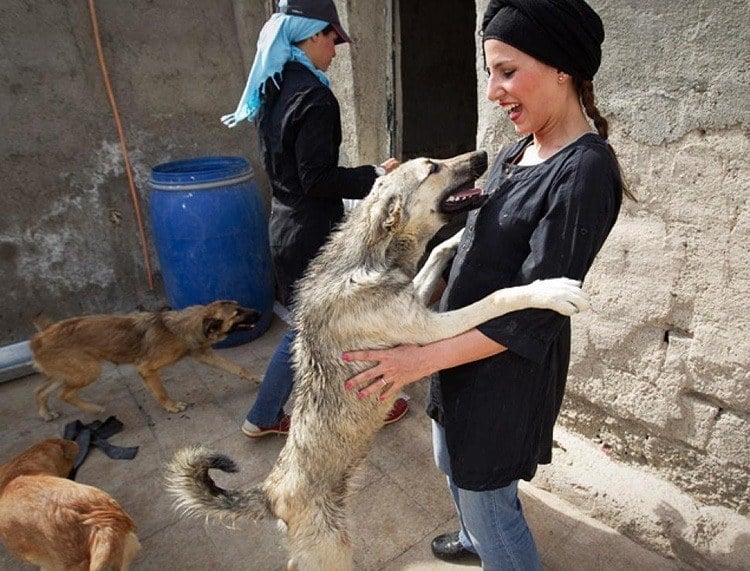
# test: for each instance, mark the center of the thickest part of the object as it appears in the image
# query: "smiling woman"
(532, 94)
(553, 197)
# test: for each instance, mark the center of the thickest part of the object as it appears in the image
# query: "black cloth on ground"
(96, 434)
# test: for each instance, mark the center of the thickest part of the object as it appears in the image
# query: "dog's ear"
(211, 325)
(69, 449)
(384, 218)
(41, 321)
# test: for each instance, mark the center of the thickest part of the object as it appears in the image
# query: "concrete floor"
(400, 504)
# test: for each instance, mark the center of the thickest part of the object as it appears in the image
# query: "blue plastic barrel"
(211, 236)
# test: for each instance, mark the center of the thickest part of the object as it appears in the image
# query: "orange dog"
(58, 524)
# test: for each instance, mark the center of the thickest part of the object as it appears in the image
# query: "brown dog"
(71, 351)
(55, 523)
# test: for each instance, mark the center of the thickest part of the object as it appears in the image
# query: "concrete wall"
(659, 379)
(68, 237)
(361, 79)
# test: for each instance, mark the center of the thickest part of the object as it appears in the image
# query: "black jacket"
(542, 221)
(299, 128)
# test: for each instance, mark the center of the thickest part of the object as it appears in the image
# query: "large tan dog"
(58, 524)
(71, 351)
(360, 292)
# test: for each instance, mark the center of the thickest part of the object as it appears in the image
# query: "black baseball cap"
(319, 10)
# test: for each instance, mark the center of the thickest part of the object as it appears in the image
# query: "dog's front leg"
(212, 358)
(151, 377)
(559, 294)
(427, 278)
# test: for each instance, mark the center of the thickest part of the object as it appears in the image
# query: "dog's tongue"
(465, 199)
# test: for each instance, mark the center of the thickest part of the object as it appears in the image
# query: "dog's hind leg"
(68, 394)
(131, 549)
(105, 553)
(151, 377)
(41, 395)
(319, 539)
(331, 551)
(112, 549)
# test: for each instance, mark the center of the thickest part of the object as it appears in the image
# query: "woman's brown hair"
(585, 91)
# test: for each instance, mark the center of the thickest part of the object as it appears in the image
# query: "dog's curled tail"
(41, 321)
(196, 493)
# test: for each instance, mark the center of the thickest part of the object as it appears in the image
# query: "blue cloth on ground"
(275, 48)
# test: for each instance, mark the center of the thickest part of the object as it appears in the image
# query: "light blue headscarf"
(275, 48)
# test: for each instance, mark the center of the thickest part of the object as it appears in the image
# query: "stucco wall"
(659, 376)
(361, 81)
(68, 237)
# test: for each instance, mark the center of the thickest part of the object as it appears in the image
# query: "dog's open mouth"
(463, 199)
(247, 321)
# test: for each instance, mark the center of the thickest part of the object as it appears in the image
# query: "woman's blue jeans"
(276, 387)
(492, 522)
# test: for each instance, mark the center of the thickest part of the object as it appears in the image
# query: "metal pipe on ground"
(15, 361)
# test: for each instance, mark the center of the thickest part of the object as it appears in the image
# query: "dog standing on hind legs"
(71, 351)
(359, 292)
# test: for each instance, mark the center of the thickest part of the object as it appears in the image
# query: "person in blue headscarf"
(299, 129)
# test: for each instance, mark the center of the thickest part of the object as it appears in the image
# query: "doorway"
(436, 77)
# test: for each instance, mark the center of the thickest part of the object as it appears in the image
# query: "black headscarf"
(564, 34)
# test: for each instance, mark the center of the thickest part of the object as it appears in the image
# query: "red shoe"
(400, 408)
(253, 431)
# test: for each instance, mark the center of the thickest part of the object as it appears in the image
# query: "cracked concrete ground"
(400, 504)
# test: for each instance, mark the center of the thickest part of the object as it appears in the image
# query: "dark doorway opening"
(438, 77)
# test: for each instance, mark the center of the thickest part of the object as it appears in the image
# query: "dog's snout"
(475, 162)
(250, 316)
(478, 162)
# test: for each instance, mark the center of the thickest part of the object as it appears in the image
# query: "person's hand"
(390, 164)
(396, 368)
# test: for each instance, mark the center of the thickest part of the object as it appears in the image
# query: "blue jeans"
(492, 522)
(276, 387)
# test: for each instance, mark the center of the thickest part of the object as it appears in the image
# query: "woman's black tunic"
(543, 221)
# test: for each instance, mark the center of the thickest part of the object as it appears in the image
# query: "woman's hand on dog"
(406, 364)
(396, 368)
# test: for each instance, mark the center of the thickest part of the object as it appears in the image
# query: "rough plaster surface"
(674, 67)
(643, 506)
(361, 81)
(659, 376)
